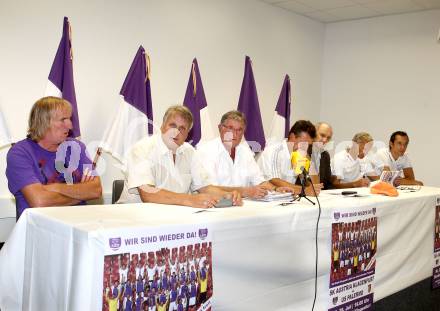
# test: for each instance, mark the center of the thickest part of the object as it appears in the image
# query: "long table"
(263, 253)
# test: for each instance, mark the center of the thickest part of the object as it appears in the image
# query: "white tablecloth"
(263, 254)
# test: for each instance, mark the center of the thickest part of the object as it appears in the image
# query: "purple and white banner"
(436, 268)
(158, 268)
(353, 261)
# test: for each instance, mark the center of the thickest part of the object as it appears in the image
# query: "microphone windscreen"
(299, 162)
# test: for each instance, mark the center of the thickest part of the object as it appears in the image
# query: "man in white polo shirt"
(164, 168)
(353, 167)
(395, 159)
(229, 160)
(276, 164)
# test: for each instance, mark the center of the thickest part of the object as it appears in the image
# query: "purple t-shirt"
(28, 163)
(162, 299)
(139, 286)
(173, 295)
(193, 290)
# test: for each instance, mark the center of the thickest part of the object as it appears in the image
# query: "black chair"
(118, 186)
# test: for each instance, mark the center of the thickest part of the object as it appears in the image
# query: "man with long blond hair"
(48, 168)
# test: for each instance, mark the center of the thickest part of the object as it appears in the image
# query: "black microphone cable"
(316, 245)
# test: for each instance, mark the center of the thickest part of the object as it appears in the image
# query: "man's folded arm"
(88, 190)
(37, 195)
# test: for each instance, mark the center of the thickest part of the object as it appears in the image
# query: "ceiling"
(328, 11)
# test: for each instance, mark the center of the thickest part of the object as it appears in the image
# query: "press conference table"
(263, 253)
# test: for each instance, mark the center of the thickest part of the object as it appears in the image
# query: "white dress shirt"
(348, 169)
(150, 162)
(242, 172)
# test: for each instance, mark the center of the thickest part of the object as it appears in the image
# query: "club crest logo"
(203, 233)
(114, 243)
(374, 211)
(337, 215)
(335, 300)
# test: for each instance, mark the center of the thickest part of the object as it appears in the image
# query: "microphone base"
(302, 194)
(298, 198)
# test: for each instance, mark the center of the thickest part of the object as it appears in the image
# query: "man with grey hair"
(163, 168)
(229, 160)
(353, 167)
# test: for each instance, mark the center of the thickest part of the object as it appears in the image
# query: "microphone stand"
(303, 177)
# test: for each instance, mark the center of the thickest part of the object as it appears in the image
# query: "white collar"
(163, 149)
(391, 156)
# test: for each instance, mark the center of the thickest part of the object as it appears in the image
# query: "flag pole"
(147, 67)
(96, 158)
(194, 80)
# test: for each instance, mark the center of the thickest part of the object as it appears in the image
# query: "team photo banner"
(158, 268)
(353, 261)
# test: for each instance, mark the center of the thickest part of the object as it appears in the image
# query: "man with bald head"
(324, 134)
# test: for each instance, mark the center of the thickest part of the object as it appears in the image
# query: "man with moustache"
(164, 168)
(48, 168)
(229, 160)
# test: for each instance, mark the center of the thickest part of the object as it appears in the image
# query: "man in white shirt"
(275, 161)
(229, 160)
(164, 169)
(353, 167)
(395, 159)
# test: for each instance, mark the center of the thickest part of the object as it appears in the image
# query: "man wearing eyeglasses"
(229, 160)
(164, 169)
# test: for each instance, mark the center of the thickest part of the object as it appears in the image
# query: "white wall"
(383, 74)
(106, 35)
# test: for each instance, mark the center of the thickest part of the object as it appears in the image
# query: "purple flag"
(248, 104)
(283, 105)
(136, 89)
(61, 76)
(280, 125)
(134, 118)
(195, 100)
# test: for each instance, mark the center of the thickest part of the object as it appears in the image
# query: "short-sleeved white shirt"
(384, 157)
(348, 169)
(150, 162)
(242, 172)
(275, 162)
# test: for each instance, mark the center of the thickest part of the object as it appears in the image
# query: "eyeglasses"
(181, 129)
(231, 129)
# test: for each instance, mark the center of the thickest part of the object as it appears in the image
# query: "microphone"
(299, 162)
(305, 173)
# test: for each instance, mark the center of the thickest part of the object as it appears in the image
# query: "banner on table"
(436, 268)
(168, 267)
(353, 260)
